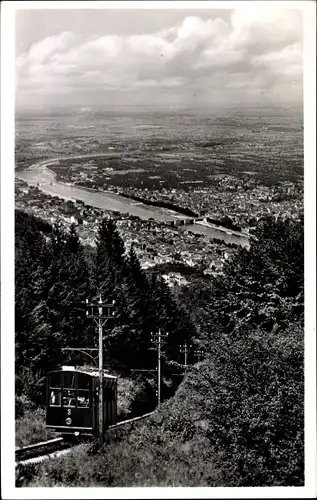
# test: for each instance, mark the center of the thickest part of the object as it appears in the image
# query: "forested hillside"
(54, 276)
(237, 419)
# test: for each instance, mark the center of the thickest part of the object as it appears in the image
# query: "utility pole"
(159, 339)
(199, 354)
(184, 350)
(100, 312)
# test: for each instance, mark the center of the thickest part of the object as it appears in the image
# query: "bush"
(22, 405)
(30, 387)
(145, 457)
(129, 392)
(257, 408)
(30, 427)
(136, 396)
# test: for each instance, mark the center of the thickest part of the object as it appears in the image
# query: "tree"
(108, 280)
(130, 337)
(74, 274)
(261, 286)
(109, 260)
(51, 288)
(32, 327)
(72, 241)
(58, 238)
(165, 314)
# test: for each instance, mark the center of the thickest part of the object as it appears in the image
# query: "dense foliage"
(262, 286)
(250, 389)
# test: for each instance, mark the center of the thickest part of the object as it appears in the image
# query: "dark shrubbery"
(30, 426)
(257, 408)
(22, 405)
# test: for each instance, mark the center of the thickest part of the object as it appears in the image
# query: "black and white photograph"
(162, 317)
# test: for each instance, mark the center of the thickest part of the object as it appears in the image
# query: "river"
(40, 175)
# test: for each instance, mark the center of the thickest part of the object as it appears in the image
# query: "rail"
(131, 420)
(35, 451)
(37, 445)
(56, 447)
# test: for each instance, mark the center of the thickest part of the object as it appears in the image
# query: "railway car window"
(83, 381)
(55, 397)
(70, 381)
(83, 399)
(69, 398)
(55, 380)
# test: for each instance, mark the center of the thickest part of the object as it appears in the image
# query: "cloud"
(254, 50)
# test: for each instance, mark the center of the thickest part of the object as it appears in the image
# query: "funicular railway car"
(72, 401)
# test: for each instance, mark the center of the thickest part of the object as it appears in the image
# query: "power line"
(82, 350)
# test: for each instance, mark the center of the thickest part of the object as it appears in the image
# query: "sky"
(158, 57)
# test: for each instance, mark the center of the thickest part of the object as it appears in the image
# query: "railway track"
(131, 420)
(56, 447)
